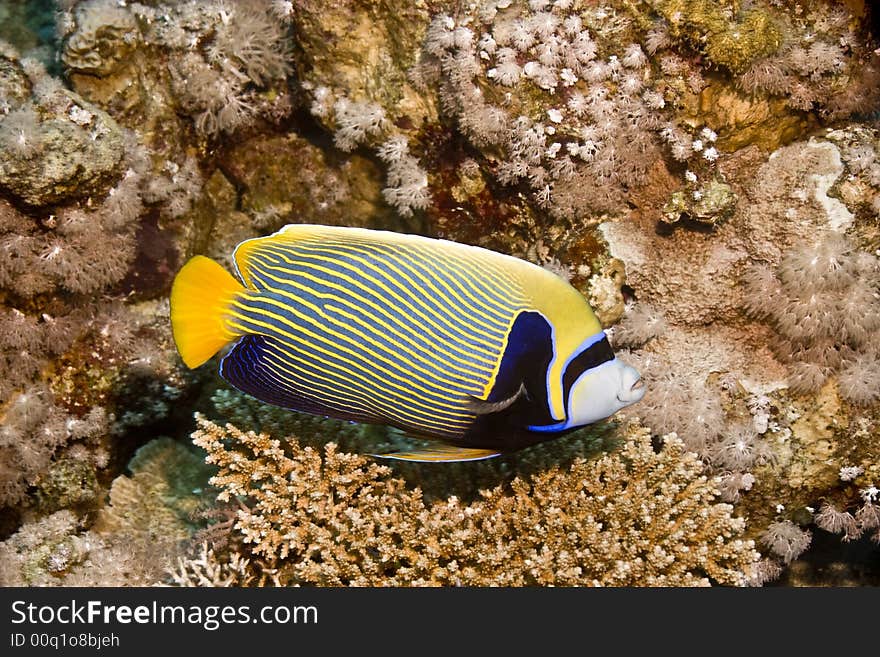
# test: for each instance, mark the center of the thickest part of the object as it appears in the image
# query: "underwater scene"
(440, 293)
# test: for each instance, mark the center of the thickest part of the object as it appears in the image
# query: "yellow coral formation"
(729, 40)
(632, 517)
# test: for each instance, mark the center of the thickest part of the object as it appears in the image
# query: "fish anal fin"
(437, 452)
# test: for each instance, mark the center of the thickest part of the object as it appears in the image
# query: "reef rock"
(363, 54)
(57, 148)
(286, 179)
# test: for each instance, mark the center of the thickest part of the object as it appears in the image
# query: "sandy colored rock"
(73, 151)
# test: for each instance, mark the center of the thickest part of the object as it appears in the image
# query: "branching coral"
(719, 379)
(205, 568)
(590, 111)
(635, 517)
(436, 483)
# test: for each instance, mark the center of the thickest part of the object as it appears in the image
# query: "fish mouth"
(634, 394)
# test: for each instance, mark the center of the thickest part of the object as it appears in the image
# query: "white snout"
(602, 391)
(632, 388)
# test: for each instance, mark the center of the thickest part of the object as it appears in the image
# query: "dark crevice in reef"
(832, 562)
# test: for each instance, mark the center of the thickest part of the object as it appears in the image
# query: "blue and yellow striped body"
(371, 331)
(401, 330)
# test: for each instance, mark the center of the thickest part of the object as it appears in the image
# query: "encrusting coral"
(632, 517)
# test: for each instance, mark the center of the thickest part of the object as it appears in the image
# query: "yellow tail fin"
(200, 297)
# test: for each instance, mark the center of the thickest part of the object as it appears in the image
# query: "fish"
(477, 352)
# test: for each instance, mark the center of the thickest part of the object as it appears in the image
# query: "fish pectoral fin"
(483, 407)
(437, 452)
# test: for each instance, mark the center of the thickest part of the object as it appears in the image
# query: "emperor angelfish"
(481, 352)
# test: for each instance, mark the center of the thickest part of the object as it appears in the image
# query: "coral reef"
(729, 38)
(225, 64)
(55, 256)
(134, 539)
(707, 174)
(58, 148)
(810, 72)
(573, 111)
(327, 189)
(85, 348)
(793, 255)
(42, 551)
(822, 301)
(325, 517)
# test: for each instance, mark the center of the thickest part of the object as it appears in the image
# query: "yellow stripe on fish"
(481, 350)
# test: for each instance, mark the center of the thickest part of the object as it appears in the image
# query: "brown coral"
(633, 517)
(134, 538)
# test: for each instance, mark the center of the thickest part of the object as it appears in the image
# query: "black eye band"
(593, 356)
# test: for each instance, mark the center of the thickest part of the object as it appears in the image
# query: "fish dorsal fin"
(248, 249)
(437, 452)
(242, 258)
(319, 234)
(482, 407)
